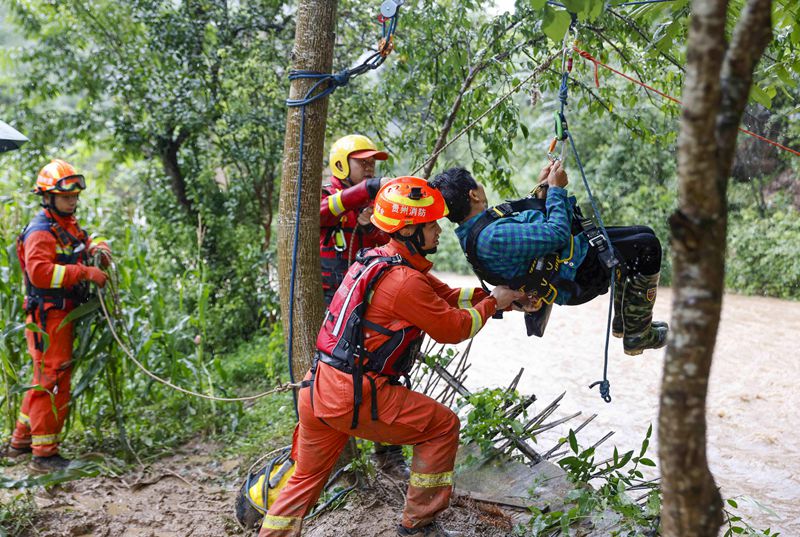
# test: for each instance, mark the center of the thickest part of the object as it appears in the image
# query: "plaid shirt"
(508, 245)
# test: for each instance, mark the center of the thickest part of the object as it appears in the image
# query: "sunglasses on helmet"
(71, 183)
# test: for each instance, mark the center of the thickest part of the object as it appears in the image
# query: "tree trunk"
(714, 96)
(168, 151)
(313, 51)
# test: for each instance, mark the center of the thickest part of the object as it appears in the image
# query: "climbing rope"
(110, 320)
(563, 135)
(327, 83)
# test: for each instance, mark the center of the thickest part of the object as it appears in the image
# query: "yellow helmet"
(353, 145)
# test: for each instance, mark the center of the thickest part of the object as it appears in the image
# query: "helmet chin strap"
(49, 202)
(415, 242)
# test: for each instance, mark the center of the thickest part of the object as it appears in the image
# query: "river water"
(753, 402)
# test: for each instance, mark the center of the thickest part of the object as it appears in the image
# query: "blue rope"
(642, 3)
(563, 94)
(326, 83)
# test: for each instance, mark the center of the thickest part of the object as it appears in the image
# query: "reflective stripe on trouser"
(429, 426)
(21, 438)
(47, 409)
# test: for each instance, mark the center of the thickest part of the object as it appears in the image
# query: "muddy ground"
(192, 494)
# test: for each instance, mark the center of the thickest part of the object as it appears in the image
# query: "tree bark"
(715, 93)
(313, 51)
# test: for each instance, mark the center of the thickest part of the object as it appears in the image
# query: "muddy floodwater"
(754, 393)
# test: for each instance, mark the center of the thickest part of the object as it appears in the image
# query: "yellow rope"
(280, 388)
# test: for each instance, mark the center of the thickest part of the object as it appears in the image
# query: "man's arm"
(333, 206)
(458, 298)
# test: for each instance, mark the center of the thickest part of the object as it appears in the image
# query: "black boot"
(12, 453)
(45, 465)
(391, 461)
(640, 332)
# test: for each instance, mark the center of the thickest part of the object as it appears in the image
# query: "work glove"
(105, 253)
(95, 275)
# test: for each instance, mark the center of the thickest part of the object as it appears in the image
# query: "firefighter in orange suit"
(387, 302)
(53, 251)
(346, 206)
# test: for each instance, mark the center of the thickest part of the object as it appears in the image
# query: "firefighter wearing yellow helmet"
(347, 198)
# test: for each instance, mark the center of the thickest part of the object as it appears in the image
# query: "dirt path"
(754, 438)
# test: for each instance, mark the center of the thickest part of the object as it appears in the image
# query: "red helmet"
(406, 201)
(59, 177)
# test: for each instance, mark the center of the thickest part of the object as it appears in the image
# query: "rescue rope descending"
(605, 251)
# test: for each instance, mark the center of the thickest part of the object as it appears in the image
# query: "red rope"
(597, 62)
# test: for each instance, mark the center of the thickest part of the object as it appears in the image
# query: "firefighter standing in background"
(53, 251)
(345, 228)
(387, 302)
(346, 206)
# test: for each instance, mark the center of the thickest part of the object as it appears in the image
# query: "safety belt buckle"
(598, 241)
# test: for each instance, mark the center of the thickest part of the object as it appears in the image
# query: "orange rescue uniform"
(45, 409)
(404, 296)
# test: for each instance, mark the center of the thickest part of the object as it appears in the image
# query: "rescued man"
(369, 340)
(546, 241)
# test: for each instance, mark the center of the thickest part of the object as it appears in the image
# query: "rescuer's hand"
(95, 275)
(105, 254)
(505, 296)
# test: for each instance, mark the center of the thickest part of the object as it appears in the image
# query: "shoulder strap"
(488, 216)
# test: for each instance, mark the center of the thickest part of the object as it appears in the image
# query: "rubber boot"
(640, 333)
(12, 453)
(617, 325)
(431, 530)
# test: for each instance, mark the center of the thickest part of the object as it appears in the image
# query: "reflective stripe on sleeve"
(477, 321)
(23, 418)
(426, 481)
(465, 297)
(335, 204)
(281, 523)
(58, 276)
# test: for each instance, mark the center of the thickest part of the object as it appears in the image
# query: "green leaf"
(81, 311)
(760, 96)
(646, 462)
(556, 24)
(538, 4)
(733, 503)
(573, 441)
